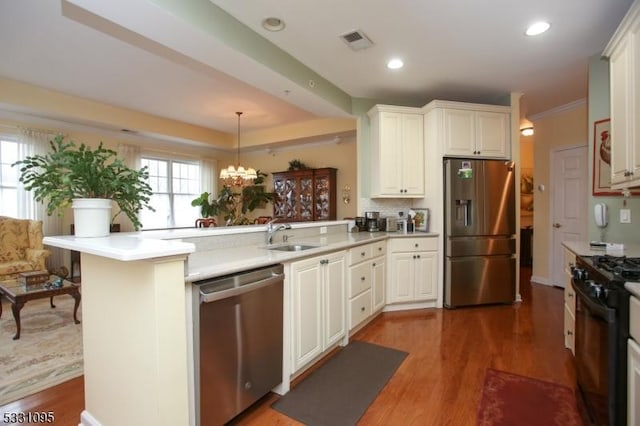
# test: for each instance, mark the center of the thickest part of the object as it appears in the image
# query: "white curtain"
(34, 142)
(209, 175)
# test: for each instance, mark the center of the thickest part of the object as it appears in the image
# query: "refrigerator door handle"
(465, 205)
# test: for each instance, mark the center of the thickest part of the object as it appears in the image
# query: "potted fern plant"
(88, 181)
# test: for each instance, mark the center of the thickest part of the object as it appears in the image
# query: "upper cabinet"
(397, 152)
(623, 52)
(471, 130)
(305, 195)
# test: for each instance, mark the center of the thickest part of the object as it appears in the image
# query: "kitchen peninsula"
(136, 295)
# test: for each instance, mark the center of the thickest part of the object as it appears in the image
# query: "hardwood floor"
(440, 381)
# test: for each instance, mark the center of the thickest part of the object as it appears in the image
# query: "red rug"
(510, 399)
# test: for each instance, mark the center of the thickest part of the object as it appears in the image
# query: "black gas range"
(601, 333)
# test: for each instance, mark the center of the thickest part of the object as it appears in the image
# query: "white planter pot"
(91, 217)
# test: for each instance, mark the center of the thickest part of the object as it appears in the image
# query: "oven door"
(595, 343)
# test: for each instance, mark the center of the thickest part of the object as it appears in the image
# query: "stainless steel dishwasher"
(237, 341)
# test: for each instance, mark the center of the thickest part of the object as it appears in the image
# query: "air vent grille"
(356, 40)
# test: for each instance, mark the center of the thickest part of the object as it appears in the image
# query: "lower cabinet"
(633, 383)
(365, 282)
(319, 298)
(633, 363)
(569, 302)
(413, 270)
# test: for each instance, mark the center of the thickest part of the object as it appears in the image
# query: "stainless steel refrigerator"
(480, 247)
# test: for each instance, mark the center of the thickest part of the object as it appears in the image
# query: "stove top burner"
(624, 267)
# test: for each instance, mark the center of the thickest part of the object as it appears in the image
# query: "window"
(9, 178)
(174, 184)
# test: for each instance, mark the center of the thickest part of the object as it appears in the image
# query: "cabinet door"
(412, 169)
(307, 310)
(492, 134)
(379, 276)
(400, 288)
(335, 298)
(633, 383)
(569, 327)
(634, 114)
(324, 198)
(390, 156)
(620, 120)
(426, 275)
(459, 132)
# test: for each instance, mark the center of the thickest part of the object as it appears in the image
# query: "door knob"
(557, 225)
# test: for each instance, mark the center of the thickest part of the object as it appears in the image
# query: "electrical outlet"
(625, 216)
(323, 229)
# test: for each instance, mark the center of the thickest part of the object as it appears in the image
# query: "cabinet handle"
(418, 256)
(569, 333)
(379, 248)
(373, 264)
(362, 254)
(478, 152)
(362, 278)
(414, 256)
(570, 295)
(362, 309)
(416, 244)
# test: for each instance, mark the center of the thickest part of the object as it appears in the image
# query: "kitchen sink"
(292, 247)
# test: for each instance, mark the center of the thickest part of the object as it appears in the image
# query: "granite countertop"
(212, 263)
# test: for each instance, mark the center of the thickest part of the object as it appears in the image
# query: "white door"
(569, 189)
(426, 275)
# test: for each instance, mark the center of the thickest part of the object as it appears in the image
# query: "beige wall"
(526, 162)
(561, 129)
(341, 156)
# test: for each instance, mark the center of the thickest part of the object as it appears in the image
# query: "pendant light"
(238, 175)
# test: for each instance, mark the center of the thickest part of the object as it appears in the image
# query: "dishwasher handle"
(223, 294)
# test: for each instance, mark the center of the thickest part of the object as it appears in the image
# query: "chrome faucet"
(271, 229)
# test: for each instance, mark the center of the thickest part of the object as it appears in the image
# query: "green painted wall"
(598, 110)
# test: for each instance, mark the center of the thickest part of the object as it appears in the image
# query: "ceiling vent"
(356, 40)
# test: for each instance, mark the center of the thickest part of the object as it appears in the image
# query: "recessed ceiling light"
(537, 28)
(526, 131)
(273, 24)
(395, 64)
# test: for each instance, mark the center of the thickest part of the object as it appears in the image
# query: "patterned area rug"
(510, 399)
(48, 352)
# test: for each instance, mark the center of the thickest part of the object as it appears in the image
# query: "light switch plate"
(625, 216)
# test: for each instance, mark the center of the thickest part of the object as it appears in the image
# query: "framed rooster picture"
(602, 159)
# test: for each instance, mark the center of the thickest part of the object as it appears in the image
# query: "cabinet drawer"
(413, 244)
(359, 254)
(634, 318)
(379, 249)
(570, 297)
(569, 260)
(359, 278)
(360, 309)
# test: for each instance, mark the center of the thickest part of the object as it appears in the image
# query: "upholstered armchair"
(21, 247)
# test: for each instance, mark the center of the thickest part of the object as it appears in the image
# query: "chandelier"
(238, 176)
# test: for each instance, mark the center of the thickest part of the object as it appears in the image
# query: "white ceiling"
(134, 54)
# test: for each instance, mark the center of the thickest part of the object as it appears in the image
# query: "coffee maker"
(371, 219)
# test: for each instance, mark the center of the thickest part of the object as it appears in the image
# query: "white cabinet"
(319, 298)
(413, 270)
(397, 152)
(569, 302)
(633, 363)
(366, 282)
(471, 133)
(623, 52)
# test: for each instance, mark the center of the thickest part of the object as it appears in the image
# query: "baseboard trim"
(539, 280)
(86, 419)
(409, 306)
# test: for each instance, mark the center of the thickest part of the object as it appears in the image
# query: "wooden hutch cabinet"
(305, 195)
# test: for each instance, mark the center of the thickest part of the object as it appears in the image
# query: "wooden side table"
(18, 295)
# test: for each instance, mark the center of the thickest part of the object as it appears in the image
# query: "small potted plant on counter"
(88, 181)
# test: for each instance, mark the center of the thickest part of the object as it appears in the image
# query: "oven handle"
(606, 314)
